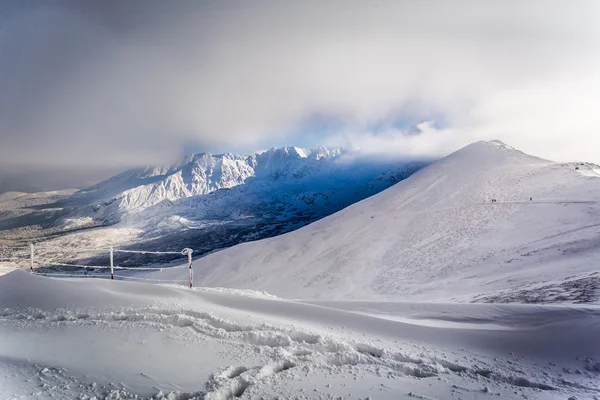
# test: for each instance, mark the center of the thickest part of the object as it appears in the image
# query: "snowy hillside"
(438, 236)
(141, 188)
(100, 339)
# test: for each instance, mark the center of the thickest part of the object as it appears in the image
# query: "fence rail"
(187, 252)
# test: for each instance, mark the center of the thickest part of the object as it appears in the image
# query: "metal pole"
(32, 255)
(189, 254)
(112, 271)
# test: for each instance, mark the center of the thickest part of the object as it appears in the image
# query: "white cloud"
(132, 82)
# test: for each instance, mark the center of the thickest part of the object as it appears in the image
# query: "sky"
(88, 88)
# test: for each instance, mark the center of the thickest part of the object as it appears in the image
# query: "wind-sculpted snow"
(485, 223)
(119, 340)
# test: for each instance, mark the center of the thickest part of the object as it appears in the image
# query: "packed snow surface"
(487, 223)
(92, 338)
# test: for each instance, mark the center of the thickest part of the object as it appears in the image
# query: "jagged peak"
(303, 153)
(287, 150)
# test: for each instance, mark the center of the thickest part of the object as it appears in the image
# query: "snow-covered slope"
(88, 338)
(195, 175)
(437, 235)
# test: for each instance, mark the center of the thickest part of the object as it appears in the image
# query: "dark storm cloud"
(119, 83)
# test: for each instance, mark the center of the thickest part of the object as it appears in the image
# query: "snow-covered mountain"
(432, 236)
(201, 174)
(485, 223)
(209, 202)
(197, 174)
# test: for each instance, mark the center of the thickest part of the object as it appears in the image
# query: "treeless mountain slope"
(439, 236)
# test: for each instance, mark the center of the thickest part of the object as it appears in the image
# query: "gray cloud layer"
(119, 83)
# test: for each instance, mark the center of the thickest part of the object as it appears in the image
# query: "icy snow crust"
(437, 236)
(120, 340)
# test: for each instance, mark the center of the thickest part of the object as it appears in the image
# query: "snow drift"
(118, 340)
